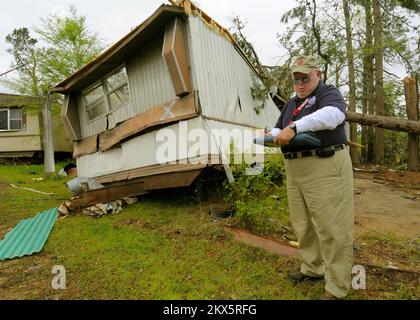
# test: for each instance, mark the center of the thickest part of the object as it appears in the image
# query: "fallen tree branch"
(390, 123)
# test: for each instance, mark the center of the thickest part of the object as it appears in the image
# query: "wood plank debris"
(33, 190)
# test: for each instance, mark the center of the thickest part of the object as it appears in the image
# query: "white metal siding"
(149, 84)
(135, 153)
(221, 75)
(149, 79)
(120, 115)
(90, 128)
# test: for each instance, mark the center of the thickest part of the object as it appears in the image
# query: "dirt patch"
(4, 185)
(386, 207)
(389, 254)
(409, 177)
(390, 284)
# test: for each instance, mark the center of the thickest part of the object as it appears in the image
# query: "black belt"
(322, 153)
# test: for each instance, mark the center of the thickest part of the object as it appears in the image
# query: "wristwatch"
(293, 127)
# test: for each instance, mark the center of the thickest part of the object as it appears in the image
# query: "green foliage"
(26, 60)
(413, 5)
(270, 83)
(395, 142)
(69, 45)
(259, 93)
(316, 27)
(261, 199)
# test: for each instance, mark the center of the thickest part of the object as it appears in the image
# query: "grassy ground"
(164, 247)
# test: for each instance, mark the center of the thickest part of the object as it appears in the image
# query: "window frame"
(22, 120)
(102, 83)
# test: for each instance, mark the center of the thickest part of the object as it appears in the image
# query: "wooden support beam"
(270, 245)
(86, 146)
(176, 110)
(140, 186)
(107, 194)
(171, 180)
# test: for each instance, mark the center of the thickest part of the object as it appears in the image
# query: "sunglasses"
(302, 80)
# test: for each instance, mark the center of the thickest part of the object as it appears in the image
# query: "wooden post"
(49, 163)
(413, 114)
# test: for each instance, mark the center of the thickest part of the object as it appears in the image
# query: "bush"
(260, 200)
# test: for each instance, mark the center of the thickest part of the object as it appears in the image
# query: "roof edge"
(65, 85)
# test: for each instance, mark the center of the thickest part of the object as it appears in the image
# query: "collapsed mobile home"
(178, 70)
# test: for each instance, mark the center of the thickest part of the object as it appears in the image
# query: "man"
(319, 182)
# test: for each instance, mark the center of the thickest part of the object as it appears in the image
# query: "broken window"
(117, 89)
(109, 94)
(94, 102)
(11, 119)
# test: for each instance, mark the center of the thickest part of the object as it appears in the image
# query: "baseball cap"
(305, 64)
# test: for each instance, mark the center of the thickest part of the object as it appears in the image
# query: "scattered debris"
(97, 210)
(294, 244)
(380, 182)
(222, 211)
(366, 170)
(408, 197)
(32, 190)
(102, 209)
(130, 201)
(83, 184)
(68, 170)
(29, 236)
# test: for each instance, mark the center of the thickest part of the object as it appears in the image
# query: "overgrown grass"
(164, 247)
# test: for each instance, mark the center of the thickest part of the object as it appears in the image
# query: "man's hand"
(284, 137)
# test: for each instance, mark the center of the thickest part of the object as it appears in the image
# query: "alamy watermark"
(359, 278)
(192, 145)
(59, 280)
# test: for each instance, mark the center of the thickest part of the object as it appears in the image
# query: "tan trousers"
(320, 193)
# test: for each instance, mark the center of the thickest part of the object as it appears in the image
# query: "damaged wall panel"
(149, 80)
(179, 109)
(70, 117)
(176, 56)
(86, 146)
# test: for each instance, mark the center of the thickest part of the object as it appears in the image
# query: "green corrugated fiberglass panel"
(29, 236)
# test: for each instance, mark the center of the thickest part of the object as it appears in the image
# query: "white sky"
(114, 19)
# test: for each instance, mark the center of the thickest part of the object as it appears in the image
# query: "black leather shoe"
(298, 277)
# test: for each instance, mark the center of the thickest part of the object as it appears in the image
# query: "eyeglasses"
(302, 80)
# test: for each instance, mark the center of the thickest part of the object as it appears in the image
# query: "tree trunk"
(364, 110)
(409, 126)
(352, 81)
(410, 89)
(379, 80)
(368, 99)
